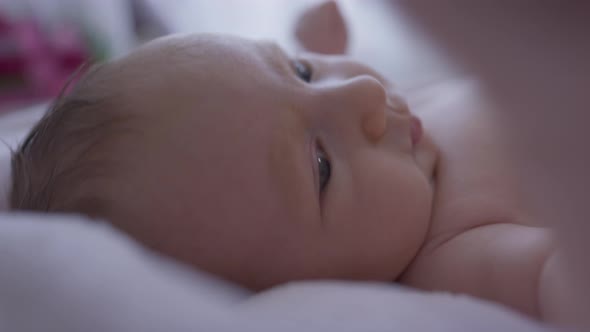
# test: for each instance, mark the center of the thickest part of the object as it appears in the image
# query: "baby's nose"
(369, 99)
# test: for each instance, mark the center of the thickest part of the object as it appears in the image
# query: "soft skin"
(234, 152)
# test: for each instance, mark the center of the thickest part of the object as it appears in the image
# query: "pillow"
(68, 273)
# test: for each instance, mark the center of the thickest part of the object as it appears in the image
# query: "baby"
(262, 168)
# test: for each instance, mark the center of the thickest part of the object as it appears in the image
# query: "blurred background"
(42, 42)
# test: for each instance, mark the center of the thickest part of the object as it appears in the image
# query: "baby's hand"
(321, 29)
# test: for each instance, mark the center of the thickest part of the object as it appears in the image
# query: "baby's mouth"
(398, 105)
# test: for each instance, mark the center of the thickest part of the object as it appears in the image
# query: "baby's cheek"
(401, 198)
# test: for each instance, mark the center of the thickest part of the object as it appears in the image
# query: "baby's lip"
(398, 105)
(416, 130)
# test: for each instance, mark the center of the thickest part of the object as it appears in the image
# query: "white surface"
(4, 178)
(68, 274)
(63, 274)
(13, 126)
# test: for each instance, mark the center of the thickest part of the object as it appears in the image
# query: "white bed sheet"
(65, 273)
(13, 127)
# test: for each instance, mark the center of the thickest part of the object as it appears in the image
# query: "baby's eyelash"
(324, 169)
(303, 70)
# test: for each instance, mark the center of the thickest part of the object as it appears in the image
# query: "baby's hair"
(62, 161)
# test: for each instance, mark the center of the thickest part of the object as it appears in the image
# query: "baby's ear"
(321, 29)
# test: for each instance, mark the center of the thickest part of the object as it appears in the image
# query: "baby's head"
(231, 156)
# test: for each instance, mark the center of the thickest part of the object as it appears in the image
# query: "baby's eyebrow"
(277, 58)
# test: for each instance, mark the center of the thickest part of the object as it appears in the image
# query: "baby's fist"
(321, 29)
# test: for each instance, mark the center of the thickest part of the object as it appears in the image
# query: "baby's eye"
(324, 169)
(303, 70)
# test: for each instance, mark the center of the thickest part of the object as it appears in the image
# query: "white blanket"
(65, 273)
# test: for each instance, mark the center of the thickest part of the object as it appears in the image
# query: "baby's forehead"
(201, 79)
(218, 56)
(202, 48)
(186, 67)
(177, 60)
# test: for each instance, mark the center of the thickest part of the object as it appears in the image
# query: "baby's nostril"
(396, 103)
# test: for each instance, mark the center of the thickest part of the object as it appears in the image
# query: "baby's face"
(265, 168)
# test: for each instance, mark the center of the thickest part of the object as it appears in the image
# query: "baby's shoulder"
(500, 262)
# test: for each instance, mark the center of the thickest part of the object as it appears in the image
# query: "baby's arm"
(505, 263)
(466, 31)
(322, 29)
